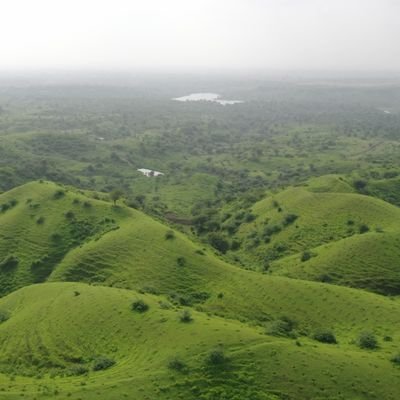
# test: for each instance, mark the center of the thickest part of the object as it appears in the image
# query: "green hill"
(346, 238)
(76, 335)
(58, 336)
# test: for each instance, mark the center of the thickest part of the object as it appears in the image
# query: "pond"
(213, 97)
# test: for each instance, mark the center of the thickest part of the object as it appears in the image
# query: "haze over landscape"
(196, 35)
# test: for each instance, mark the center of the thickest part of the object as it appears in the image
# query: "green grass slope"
(354, 238)
(56, 332)
(130, 250)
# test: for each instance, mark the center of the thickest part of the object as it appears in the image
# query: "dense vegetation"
(263, 264)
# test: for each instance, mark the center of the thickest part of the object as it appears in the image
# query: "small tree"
(325, 336)
(140, 306)
(367, 340)
(186, 316)
(115, 195)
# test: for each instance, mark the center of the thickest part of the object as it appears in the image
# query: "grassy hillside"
(314, 232)
(133, 251)
(80, 341)
(58, 334)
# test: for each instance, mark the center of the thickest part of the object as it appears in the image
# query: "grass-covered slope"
(316, 233)
(127, 249)
(56, 334)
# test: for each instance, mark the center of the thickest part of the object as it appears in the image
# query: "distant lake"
(213, 97)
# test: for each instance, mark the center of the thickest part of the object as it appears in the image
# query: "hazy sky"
(209, 34)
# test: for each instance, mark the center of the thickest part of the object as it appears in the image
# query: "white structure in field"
(149, 172)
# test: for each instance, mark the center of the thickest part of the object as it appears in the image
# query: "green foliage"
(140, 306)
(101, 363)
(9, 263)
(396, 359)
(325, 336)
(186, 316)
(177, 364)
(367, 340)
(283, 326)
(169, 235)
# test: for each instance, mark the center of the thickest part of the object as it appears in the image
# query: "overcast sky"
(200, 34)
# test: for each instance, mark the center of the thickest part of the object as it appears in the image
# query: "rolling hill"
(73, 265)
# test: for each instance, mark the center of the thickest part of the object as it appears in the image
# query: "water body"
(213, 97)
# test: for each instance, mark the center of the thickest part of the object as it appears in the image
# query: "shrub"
(170, 235)
(396, 359)
(40, 220)
(101, 363)
(181, 261)
(87, 204)
(367, 340)
(289, 219)
(218, 242)
(186, 316)
(177, 365)
(69, 215)
(140, 306)
(78, 370)
(282, 327)
(216, 358)
(58, 194)
(305, 256)
(4, 316)
(9, 263)
(363, 228)
(325, 336)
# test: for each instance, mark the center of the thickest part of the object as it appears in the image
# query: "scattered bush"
(69, 215)
(170, 235)
(78, 370)
(218, 242)
(177, 365)
(181, 261)
(140, 306)
(305, 256)
(40, 220)
(396, 359)
(282, 327)
(101, 363)
(216, 358)
(186, 316)
(367, 340)
(289, 219)
(4, 316)
(59, 194)
(324, 336)
(363, 228)
(8, 263)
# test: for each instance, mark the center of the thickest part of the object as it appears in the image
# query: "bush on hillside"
(8, 263)
(101, 363)
(169, 235)
(396, 359)
(177, 365)
(289, 219)
(181, 261)
(367, 340)
(306, 255)
(40, 220)
(218, 242)
(140, 306)
(59, 194)
(186, 316)
(363, 228)
(282, 327)
(4, 316)
(325, 336)
(216, 357)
